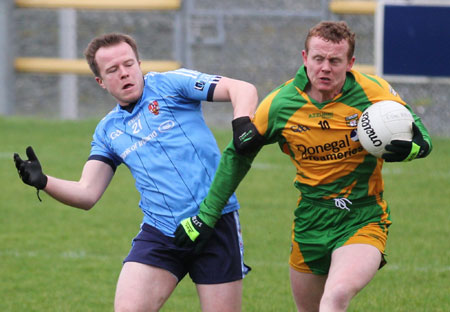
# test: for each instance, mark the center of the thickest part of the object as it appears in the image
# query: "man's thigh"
(225, 297)
(353, 266)
(307, 289)
(142, 287)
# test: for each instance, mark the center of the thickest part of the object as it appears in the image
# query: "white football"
(383, 122)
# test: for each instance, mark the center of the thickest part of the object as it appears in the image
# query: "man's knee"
(143, 288)
(130, 304)
(338, 296)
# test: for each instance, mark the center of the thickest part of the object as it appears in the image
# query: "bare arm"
(83, 194)
(243, 96)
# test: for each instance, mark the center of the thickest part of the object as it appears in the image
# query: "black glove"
(193, 233)
(246, 137)
(30, 170)
(400, 150)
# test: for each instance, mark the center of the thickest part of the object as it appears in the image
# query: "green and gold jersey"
(321, 138)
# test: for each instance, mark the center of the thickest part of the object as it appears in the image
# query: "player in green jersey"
(341, 221)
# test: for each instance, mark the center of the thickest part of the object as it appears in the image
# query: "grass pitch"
(57, 258)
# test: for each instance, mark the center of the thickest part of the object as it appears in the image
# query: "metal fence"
(256, 40)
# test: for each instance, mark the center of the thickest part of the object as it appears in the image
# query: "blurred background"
(53, 258)
(259, 41)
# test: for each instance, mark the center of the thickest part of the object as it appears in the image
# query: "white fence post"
(68, 83)
(7, 73)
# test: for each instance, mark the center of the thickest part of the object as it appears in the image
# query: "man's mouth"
(127, 86)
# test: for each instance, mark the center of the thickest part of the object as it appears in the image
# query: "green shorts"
(324, 225)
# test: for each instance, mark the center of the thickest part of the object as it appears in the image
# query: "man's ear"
(100, 82)
(350, 64)
(304, 56)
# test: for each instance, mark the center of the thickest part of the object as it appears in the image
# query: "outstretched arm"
(231, 171)
(95, 178)
(84, 193)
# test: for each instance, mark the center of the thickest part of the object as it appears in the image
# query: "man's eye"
(335, 61)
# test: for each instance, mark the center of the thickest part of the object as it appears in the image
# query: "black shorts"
(221, 261)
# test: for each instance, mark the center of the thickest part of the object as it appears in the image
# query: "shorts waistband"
(343, 202)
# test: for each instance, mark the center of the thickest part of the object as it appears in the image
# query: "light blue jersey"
(167, 146)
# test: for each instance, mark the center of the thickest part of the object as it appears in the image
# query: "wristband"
(190, 229)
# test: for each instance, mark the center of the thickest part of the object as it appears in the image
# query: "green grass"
(56, 258)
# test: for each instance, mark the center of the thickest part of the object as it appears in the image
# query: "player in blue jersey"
(157, 130)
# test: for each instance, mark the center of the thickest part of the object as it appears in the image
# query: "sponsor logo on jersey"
(352, 121)
(166, 125)
(115, 134)
(153, 107)
(299, 128)
(321, 115)
(334, 150)
(138, 144)
(199, 85)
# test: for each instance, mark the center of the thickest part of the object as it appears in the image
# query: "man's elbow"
(249, 88)
(88, 202)
(87, 206)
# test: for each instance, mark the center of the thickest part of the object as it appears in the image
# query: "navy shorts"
(221, 261)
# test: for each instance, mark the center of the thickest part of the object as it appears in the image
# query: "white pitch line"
(392, 170)
(264, 166)
(6, 155)
(71, 254)
(393, 267)
(82, 254)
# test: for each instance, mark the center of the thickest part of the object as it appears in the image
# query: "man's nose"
(326, 66)
(123, 72)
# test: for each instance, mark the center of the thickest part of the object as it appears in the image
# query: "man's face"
(120, 73)
(326, 63)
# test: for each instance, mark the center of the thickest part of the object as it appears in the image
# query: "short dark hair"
(106, 40)
(334, 32)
